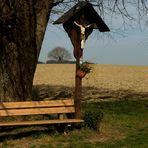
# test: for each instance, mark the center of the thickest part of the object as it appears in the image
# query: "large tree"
(22, 27)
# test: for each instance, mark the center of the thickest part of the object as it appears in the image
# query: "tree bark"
(22, 27)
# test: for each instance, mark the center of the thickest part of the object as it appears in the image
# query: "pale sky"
(128, 47)
(131, 48)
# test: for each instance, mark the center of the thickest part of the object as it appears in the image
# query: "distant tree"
(59, 54)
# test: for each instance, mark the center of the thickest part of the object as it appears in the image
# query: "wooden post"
(78, 91)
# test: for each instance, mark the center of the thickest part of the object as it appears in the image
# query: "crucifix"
(78, 34)
(79, 23)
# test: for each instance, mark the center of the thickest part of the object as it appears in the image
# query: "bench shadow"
(12, 133)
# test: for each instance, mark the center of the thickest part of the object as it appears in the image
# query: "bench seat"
(41, 122)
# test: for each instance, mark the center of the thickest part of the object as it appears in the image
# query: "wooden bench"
(58, 107)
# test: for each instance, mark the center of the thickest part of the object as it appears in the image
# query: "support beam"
(78, 92)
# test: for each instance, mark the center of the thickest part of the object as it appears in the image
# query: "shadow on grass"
(12, 133)
(126, 117)
(41, 92)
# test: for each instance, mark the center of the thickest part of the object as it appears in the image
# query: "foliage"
(59, 54)
(92, 117)
(85, 66)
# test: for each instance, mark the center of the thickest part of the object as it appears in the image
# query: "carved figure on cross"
(82, 35)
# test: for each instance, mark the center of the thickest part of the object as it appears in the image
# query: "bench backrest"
(37, 107)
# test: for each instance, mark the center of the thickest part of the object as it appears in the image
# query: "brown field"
(104, 79)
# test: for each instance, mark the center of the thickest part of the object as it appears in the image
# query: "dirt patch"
(109, 77)
(105, 82)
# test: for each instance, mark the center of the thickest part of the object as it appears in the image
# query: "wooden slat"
(30, 104)
(34, 111)
(43, 122)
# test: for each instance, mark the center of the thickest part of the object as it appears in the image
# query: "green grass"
(125, 124)
(129, 121)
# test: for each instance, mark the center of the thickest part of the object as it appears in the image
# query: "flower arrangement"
(84, 69)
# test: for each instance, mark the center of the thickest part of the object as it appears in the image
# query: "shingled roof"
(89, 12)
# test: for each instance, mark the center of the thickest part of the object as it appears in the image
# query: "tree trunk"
(22, 27)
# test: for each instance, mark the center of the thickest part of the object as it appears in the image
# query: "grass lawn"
(125, 124)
